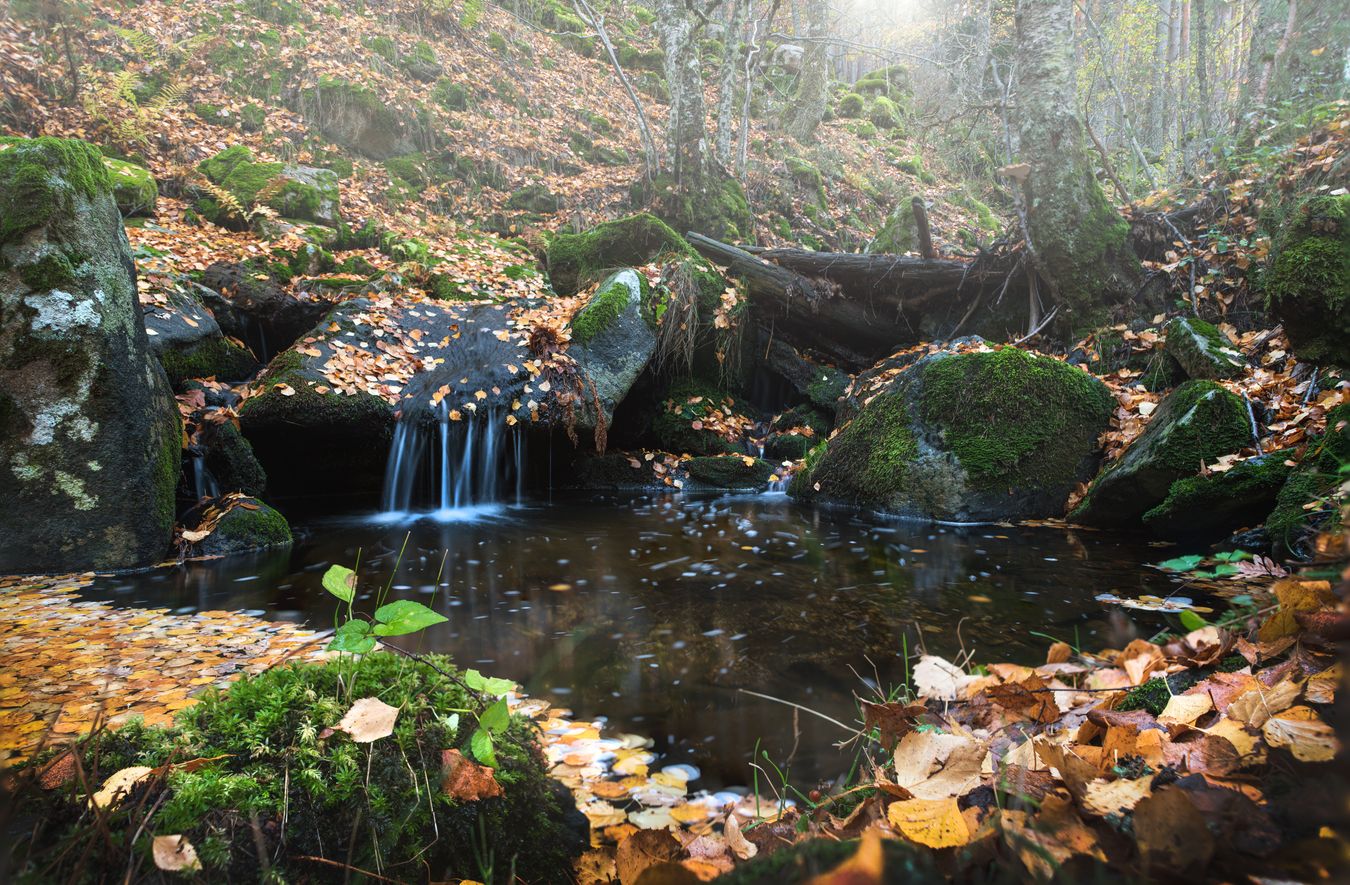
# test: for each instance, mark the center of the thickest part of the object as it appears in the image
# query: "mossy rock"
(967, 437)
(575, 260)
(231, 461)
(535, 198)
(789, 446)
(1291, 525)
(90, 437)
(729, 472)
(613, 339)
(687, 401)
(1308, 285)
(892, 81)
(450, 95)
(248, 526)
(851, 105)
(1202, 351)
(134, 187)
(807, 176)
(900, 233)
(216, 358)
(355, 117)
(613, 471)
(368, 805)
(1218, 504)
(885, 114)
(253, 117)
(1198, 422)
(714, 205)
(299, 192)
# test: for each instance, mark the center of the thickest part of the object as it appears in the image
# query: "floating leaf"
(1181, 563)
(1191, 621)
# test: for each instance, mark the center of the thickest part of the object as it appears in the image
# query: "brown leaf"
(643, 850)
(465, 779)
(866, 867)
(1171, 832)
(895, 719)
(1029, 698)
(1305, 734)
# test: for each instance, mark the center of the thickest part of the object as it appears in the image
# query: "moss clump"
(40, 177)
(1221, 502)
(851, 105)
(577, 259)
(1202, 350)
(900, 234)
(52, 271)
(376, 805)
(234, 169)
(1196, 423)
(535, 198)
(715, 205)
(355, 117)
(450, 95)
(806, 175)
(248, 525)
(869, 461)
(211, 358)
(688, 401)
(1154, 694)
(253, 117)
(1291, 524)
(893, 80)
(1013, 419)
(606, 306)
(1308, 284)
(233, 464)
(885, 114)
(134, 188)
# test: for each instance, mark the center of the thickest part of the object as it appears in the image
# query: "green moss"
(851, 105)
(535, 198)
(40, 178)
(497, 43)
(364, 805)
(53, 271)
(808, 176)
(1202, 350)
(1153, 695)
(253, 117)
(450, 95)
(634, 59)
(885, 114)
(865, 130)
(212, 113)
(134, 188)
(1220, 502)
(869, 460)
(729, 472)
(1290, 523)
(690, 400)
(893, 81)
(577, 259)
(605, 307)
(900, 234)
(213, 357)
(256, 527)
(307, 407)
(1013, 419)
(715, 205)
(1308, 284)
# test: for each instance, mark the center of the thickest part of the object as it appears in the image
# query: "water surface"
(656, 611)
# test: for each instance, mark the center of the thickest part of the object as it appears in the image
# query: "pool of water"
(660, 612)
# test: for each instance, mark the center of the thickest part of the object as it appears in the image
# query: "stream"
(657, 611)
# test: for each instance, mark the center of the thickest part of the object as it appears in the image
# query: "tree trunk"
(687, 144)
(813, 86)
(726, 98)
(1079, 240)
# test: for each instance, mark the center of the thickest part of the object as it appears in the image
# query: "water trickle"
(446, 466)
(204, 484)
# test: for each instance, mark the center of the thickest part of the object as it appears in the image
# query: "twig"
(348, 867)
(769, 697)
(1036, 331)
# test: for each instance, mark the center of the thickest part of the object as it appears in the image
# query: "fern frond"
(122, 88)
(143, 44)
(261, 211)
(226, 200)
(170, 94)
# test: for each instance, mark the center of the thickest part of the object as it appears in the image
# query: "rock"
(613, 339)
(247, 525)
(356, 118)
(188, 340)
(1135, 347)
(1196, 423)
(313, 441)
(713, 204)
(306, 193)
(729, 472)
(1291, 526)
(314, 234)
(536, 198)
(89, 432)
(1308, 284)
(974, 436)
(1202, 351)
(259, 311)
(134, 188)
(575, 260)
(613, 471)
(1218, 504)
(231, 461)
(684, 422)
(819, 384)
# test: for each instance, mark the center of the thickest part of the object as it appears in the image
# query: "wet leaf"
(465, 779)
(1304, 733)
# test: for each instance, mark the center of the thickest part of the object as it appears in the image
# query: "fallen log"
(852, 308)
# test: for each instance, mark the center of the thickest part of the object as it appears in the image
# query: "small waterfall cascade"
(204, 484)
(447, 467)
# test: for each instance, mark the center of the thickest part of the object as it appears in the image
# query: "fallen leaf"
(465, 779)
(175, 854)
(936, 823)
(1306, 735)
(369, 719)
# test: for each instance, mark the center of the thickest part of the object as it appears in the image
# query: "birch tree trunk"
(726, 97)
(1078, 239)
(813, 86)
(686, 143)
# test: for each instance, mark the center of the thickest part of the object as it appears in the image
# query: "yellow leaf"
(1304, 733)
(175, 854)
(936, 823)
(369, 719)
(118, 785)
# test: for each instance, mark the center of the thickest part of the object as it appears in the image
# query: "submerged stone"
(1196, 423)
(966, 437)
(89, 432)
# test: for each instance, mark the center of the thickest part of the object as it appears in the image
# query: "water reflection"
(656, 611)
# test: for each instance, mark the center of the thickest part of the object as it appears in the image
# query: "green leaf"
(404, 616)
(1224, 570)
(487, 684)
(1182, 563)
(481, 747)
(1233, 556)
(341, 582)
(353, 637)
(1191, 621)
(496, 718)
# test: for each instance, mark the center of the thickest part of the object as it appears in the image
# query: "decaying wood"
(926, 249)
(855, 308)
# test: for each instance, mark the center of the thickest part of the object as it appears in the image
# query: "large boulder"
(353, 116)
(89, 433)
(187, 339)
(298, 192)
(1308, 284)
(256, 308)
(575, 260)
(613, 339)
(1202, 351)
(975, 436)
(1197, 422)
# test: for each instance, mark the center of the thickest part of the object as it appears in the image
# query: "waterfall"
(451, 469)
(204, 484)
